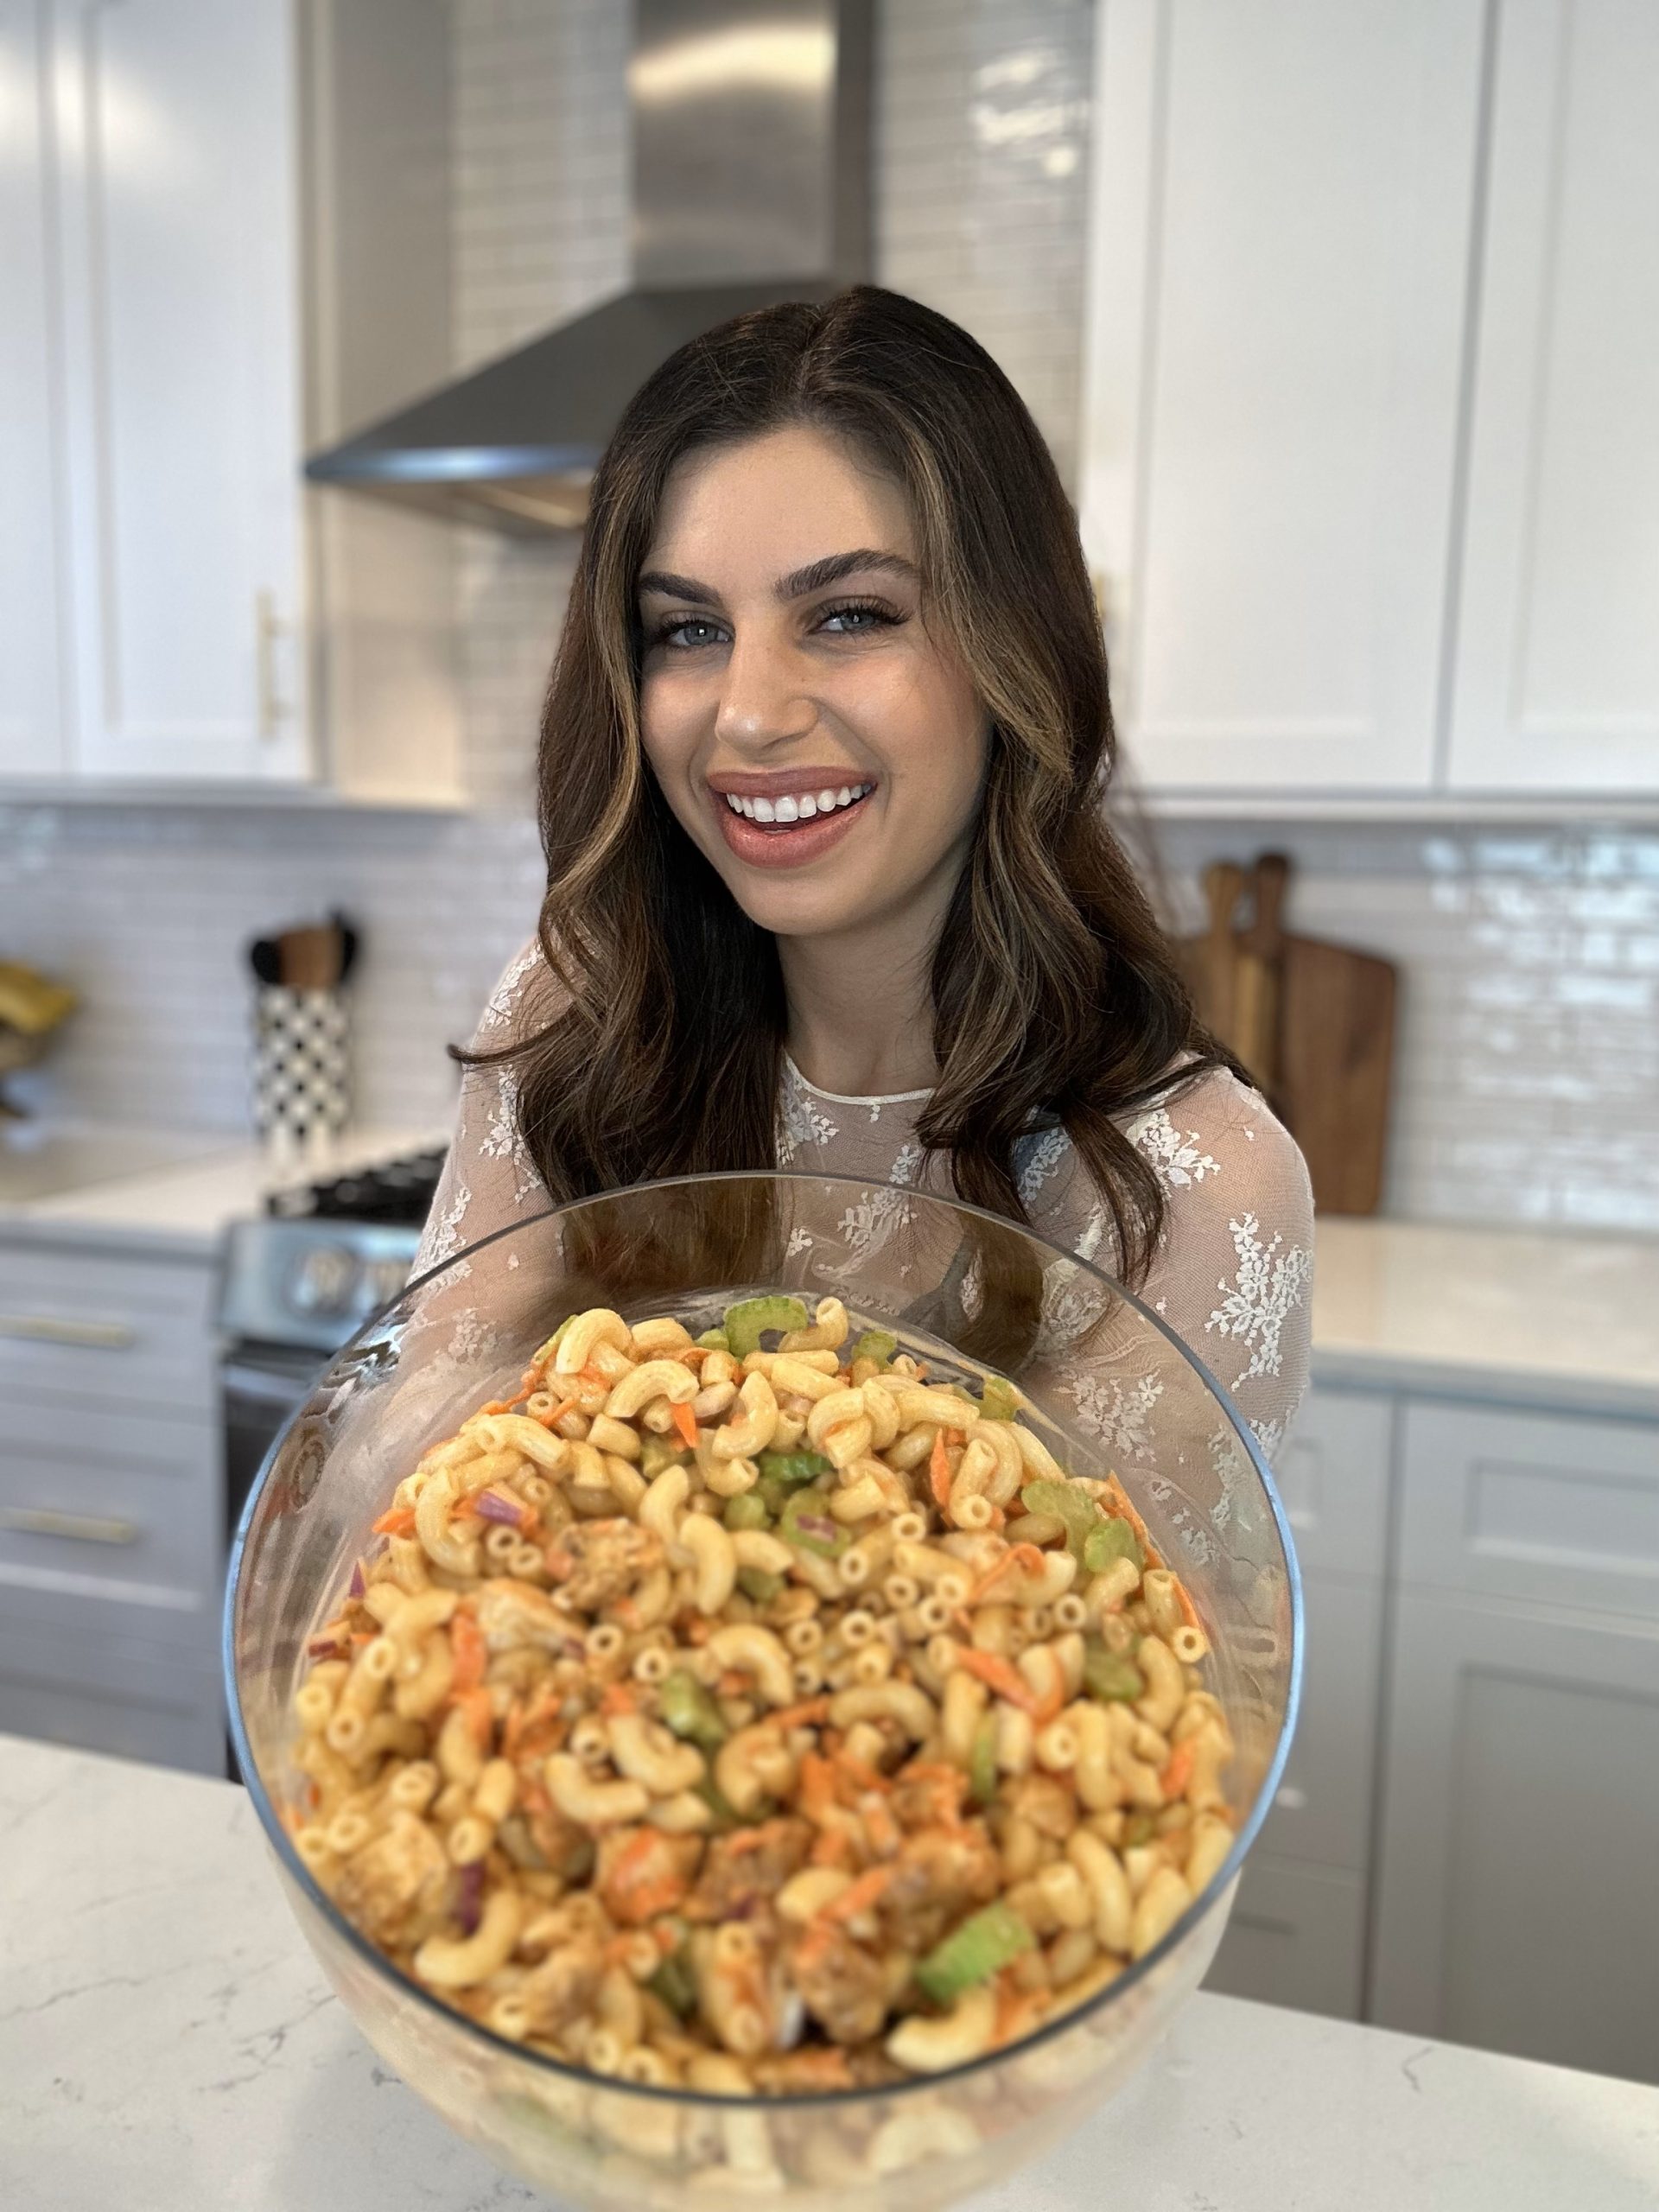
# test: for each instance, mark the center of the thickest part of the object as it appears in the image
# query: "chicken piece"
(396, 1889)
(564, 1987)
(1045, 1802)
(843, 1987)
(642, 1872)
(937, 1876)
(514, 1617)
(609, 1557)
(925, 1793)
(748, 1868)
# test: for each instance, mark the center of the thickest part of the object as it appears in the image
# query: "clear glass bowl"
(1112, 1389)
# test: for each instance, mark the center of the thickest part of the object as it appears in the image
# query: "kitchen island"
(168, 2044)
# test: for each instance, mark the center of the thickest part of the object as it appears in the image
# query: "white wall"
(1528, 1073)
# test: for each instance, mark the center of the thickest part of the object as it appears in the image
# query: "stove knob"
(323, 1280)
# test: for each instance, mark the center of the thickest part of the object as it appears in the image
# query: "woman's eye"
(859, 619)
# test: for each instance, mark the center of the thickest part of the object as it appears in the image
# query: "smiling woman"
(831, 881)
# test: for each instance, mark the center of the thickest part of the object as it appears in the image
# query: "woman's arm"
(1233, 1273)
(488, 1180)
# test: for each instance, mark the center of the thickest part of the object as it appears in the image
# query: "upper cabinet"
(179, 214)
(182, 186)
(1368, 476)
(32, 689)
(1557, 668)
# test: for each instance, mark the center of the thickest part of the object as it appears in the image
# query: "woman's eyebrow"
(813, 577)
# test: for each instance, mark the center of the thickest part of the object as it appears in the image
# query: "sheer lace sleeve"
(488, 1180)
(1233, 1272)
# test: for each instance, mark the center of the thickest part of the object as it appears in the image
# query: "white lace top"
(1231, 1275)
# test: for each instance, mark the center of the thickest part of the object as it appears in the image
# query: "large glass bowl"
(1112, 1389)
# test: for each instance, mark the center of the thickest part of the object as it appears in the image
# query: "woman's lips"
(784, 844)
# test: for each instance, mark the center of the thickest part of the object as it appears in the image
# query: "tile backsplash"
(1528, 1066)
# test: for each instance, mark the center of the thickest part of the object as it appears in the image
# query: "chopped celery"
(714, 1340)
(656, 1453)
(1139, 1829)
(749, 1320)
(676, 1983)
(982, 1762)
(544, 1352)
(998, 1401)
(710, 1793)
(1112, 1538)
(973, 1953)
(1108, 1673)
(690, 1712)
(791, 1467)
(809, 1527)
(755, 1582)
(1065, 1502)
(876, 1343)
(745, 1510)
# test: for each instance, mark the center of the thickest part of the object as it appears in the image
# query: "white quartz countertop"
(167, 2045)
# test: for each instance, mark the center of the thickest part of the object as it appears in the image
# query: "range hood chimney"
(751, 126)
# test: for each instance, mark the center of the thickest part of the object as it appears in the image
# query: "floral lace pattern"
(1231, 1276)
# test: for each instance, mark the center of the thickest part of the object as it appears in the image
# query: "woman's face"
(813, 741)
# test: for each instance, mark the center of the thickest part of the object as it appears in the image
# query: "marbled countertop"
(167, 2045)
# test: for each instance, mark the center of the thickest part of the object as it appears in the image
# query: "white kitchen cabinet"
(1557, 666)
(32, 701)
(1281, 204)
(178, 198)
(1514, 1905)
(1296, 1936)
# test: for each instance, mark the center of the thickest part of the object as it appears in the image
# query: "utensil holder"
(301, 1068)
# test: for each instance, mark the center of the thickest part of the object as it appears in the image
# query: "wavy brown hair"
(1056, 998)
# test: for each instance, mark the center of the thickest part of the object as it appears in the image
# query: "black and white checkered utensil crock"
(302, 1067)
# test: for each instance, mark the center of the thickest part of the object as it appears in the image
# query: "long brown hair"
(1056, 997)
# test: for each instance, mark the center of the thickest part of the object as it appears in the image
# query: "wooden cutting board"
(1326, 1062)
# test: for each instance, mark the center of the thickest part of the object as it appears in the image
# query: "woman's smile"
(785, 817)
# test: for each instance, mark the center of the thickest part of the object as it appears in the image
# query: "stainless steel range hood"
(751, 126)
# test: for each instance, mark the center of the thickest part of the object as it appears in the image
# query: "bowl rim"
(766, 2101)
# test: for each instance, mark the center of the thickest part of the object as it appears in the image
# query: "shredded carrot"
(833, 1848)
(1119, 1499)
(594, 1379)
(1015, 2008)
(1189, 1610)
(479, 1712)
(471, 1653)
(498, 1406)
(859, 1896)
(938, 1468)
(881, 1831)
(817, 1787)
(804, 1715)
(823, 2068)
(616, 1698)
(1176, 1776)
(1026, 1557)
(997, 1674)
(551, 1419)
(685, 1424)
(397, 1521)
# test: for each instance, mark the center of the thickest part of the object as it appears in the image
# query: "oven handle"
(261, 1387)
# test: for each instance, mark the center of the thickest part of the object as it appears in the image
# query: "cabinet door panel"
(175, 127)
(1280, 218)
(1520, 1800)
(1333, 1477)
(1323, 1809)
(31, 704)
(1296, 1936)
(1557, 685)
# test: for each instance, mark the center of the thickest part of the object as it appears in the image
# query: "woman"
(829, 882)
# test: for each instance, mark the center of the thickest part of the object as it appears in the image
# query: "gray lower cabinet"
(1514, 1901)
(112, 1546)
(1296, 1936)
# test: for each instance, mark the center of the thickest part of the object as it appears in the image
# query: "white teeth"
(808, 806)
(827, 801)
(764, 810)
(733, 802)
(844, 797)
(804, 806)
(786, 811)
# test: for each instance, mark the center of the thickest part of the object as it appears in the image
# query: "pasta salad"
(750, 1713)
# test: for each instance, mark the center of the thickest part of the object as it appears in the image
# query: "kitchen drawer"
(87, 1327)
(1333, 1477)
(111, 1523)
(1323, 1810)
(1297, 1937)
(110, 1694)
(1545, 1507)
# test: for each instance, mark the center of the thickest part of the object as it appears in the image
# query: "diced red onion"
(358, 1583)
(816, 1524)
(324, 1647)
(490, 1505)
(469, 1896)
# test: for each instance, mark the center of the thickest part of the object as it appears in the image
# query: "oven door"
(260, 1385)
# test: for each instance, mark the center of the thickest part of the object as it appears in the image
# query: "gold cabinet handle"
(49, 1329)
(269, 628)
(79, 1528)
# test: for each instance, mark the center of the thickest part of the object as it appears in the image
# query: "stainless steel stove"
(297, 1283)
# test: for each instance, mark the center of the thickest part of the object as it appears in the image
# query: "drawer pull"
(49, 1329)
(81, 1527)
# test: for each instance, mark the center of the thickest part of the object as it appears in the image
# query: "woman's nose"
(763, 697)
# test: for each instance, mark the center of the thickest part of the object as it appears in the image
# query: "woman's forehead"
(761, 510)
